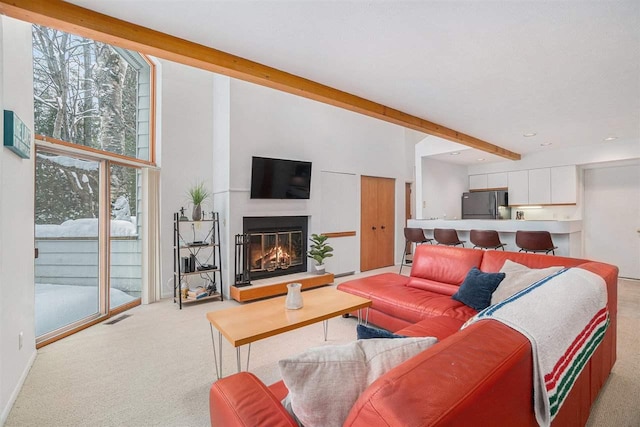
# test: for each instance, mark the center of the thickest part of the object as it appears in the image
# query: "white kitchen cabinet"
(488, 181)
(497, 180)
(478, 182)
(540, 186)
(564, 186)
(518, 187)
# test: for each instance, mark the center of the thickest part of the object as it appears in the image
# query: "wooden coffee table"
(255, 321)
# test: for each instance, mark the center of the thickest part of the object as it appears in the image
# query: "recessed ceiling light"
(529, 134)
(611, 138)
(455, 153)
(546, 144)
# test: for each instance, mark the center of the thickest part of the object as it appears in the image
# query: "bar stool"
(486, 239)
(535, 241)
(412, 235)
(447, 236)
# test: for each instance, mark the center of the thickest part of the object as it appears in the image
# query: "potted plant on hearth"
(198, 194)
(319, 251)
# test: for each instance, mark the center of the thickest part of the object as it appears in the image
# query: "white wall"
(16, 218)
(265, 122)
(186, 151)
(5, 401)
(271, 123)
(221, 170)
(425, 146)
(235, 121)
(412, 138)
(611, 234)
(442, 188)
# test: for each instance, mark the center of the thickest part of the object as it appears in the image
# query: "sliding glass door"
(125, 259)
(89, 249)
(67, 219)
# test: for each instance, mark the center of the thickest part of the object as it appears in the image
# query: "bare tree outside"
(85, 93)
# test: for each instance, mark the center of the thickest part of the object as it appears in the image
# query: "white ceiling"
(566, 70)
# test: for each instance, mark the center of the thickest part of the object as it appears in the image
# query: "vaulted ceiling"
(568, 71)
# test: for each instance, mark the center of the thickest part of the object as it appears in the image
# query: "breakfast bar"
(566, 234)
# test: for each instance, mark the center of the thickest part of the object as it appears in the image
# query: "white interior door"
(612, 217)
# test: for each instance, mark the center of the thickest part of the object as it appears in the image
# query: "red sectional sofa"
(480, 375)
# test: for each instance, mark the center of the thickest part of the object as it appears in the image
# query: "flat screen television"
(280, 178)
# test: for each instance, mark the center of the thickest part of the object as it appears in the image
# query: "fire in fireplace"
(271, 251)
(277, 245)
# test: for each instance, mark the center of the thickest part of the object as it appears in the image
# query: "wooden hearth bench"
(273, 286)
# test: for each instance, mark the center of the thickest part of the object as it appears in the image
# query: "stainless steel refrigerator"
(486, 205)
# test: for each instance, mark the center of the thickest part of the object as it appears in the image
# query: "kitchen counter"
(566, 234)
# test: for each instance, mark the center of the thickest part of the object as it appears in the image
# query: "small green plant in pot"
(319, 251)
(197, 194)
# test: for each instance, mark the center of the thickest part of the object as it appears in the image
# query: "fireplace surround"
(277, 245)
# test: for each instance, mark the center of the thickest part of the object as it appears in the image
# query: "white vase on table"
(294, 296)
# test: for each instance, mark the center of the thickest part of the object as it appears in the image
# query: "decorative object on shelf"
(520, 215)
(183, 217)
(184, 288)
(185, 266)
(198, 194)
(294, 296)
(197, 293)
(319, 251)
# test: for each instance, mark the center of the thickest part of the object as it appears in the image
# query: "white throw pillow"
(325, 382)
(517, 278)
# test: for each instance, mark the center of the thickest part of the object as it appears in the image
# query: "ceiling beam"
(84, 22)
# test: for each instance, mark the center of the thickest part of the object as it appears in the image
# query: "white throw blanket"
(565, 317)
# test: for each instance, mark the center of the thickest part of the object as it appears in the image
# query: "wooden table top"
(255, 321)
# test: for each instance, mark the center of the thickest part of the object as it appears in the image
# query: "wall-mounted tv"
(280, 179)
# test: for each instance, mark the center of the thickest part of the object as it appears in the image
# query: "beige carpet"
(617, 404)
(155, 368)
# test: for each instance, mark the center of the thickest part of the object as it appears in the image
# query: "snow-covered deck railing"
(68, 254)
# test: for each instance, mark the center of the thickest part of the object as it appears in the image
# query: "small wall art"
(17, 136)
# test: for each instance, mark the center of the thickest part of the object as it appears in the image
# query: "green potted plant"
(319, 251)
(197, 194)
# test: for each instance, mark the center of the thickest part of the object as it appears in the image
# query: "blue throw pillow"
(477, 288)
(366, 332)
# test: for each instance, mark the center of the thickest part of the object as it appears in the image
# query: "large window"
(92, 101)
(91, 94)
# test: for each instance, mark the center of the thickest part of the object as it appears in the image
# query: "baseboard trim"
(348, 273)
(16, 390)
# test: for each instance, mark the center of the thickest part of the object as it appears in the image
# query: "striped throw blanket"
(565, 317)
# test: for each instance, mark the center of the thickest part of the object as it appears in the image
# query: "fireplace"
(276, 245)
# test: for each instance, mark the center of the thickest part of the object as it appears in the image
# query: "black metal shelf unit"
(197, 259)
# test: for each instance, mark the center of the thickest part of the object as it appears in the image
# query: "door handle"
(373, 228)
(382, 227)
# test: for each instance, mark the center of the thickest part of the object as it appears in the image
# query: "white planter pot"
(319, 268)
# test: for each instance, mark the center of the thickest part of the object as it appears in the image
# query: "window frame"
(131, 161)
(106, 159)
